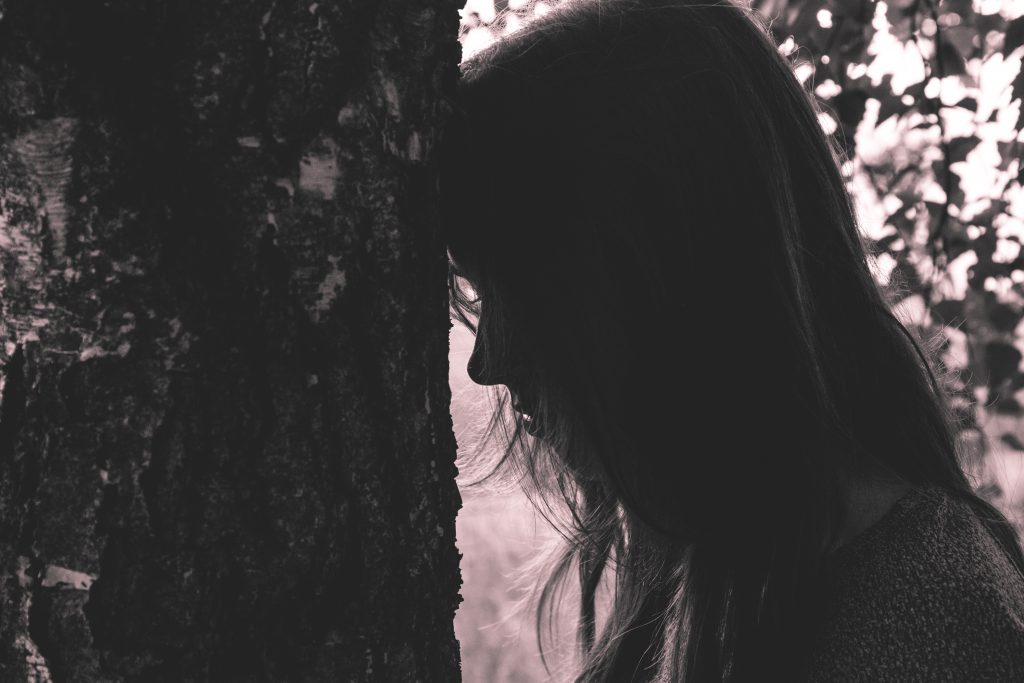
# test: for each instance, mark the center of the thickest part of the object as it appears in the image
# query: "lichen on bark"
(225, 449)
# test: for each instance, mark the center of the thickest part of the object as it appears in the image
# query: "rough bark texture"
(225, 445)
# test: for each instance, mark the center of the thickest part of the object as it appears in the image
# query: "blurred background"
(924, 96)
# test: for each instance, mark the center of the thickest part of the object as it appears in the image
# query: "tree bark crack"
(46, 150)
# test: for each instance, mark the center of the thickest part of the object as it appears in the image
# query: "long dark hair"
(652, 239)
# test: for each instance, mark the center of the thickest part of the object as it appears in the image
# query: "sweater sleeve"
(924, 595)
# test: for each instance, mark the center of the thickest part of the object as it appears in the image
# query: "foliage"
(937, 137)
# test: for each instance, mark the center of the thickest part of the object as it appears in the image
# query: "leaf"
(949, 312)
(1014, 36)
(936, 216)
(848, 8)
(915, 90)
(852, 40)
(1006, 150)
(886, 242)
(1017, 86)
(904, 225)
(891, 104)
(965, 8)
(968, 103)
(985, 217)
(1006, 406)
(901, 7)
(955, 246)
(850, 105)
(962, 38)
(900, 24)
(1012, 441)
(959, 147)
(1002, 360)
(1017, 93)
(1003, 317)
(953, 63)
(954, 229)
(801, 21)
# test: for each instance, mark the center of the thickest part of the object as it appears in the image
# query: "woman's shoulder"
(926, 593)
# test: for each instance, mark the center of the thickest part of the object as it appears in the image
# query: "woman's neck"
(867, 498)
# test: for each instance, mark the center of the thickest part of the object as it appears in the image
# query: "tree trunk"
(225, 443)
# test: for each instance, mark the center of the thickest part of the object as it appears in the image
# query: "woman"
(652, 240)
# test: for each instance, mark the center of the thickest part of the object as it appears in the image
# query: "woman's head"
(662, 244)
(671, 283)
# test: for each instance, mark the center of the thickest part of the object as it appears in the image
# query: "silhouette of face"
(523, 397)
(523, 400)
(475, 367)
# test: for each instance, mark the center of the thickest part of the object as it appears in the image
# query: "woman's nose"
(475, 367)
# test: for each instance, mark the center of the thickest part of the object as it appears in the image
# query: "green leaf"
(915, 90)
(904, 225)
(953, 63)
(965, 8)
(949, 312)
(890, 104)
(1017, 382)
(960, 147)
(1017, 86)
(800, 21)
(886, 242)
(850, 105)
(847, 8)
(1012, 441)
(1004, 147)
(985, 217)
(962, 38)
(900, 24)
(1003, 317)
(1014, 36)
(956, 245)
(1006, 405)
(852, 40)
(1017, 93)
(1002, 360)
(968, 103)
(900, 7)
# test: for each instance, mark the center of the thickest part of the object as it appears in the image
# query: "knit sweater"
(924, 594)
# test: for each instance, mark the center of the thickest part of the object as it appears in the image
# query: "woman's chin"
(531, 426)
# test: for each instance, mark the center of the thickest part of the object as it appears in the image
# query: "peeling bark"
(225, 446)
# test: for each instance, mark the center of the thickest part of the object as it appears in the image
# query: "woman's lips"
(530, 422)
